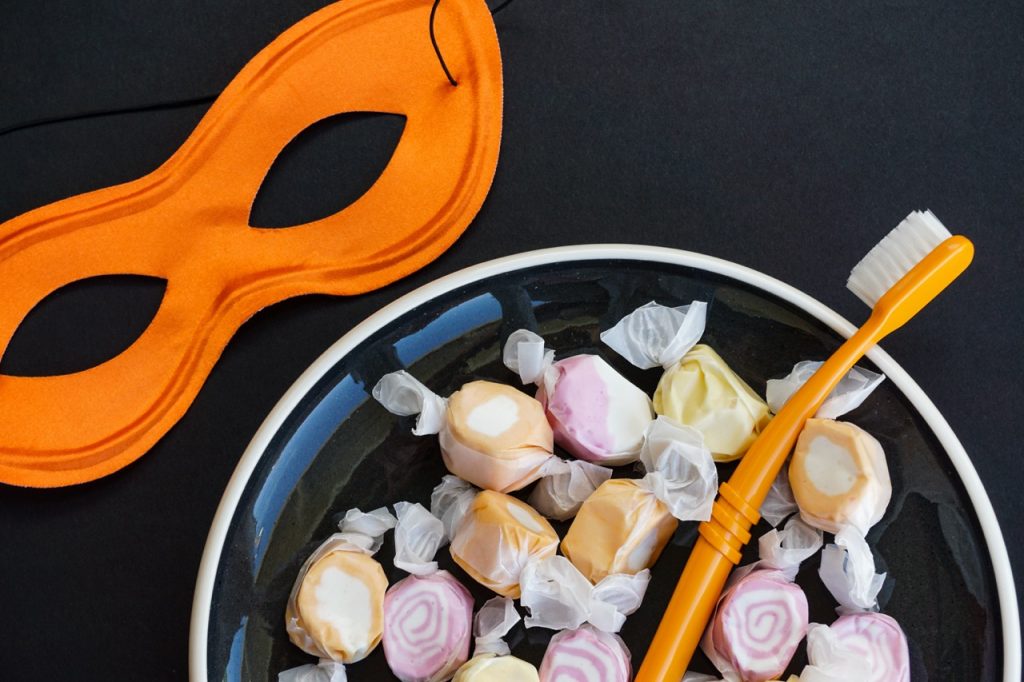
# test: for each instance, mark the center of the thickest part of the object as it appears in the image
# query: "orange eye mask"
(187, 222)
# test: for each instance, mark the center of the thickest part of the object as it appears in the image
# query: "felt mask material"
(187, 222)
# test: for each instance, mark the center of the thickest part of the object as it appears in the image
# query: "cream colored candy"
(839, 476)
(702, 391)
(496, 437)
(497, 537)
(493, 668)
(621, 528)
(340, 605)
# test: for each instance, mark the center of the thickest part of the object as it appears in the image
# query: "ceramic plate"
(328, 446)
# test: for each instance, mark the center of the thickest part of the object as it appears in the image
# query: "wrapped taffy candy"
(690, 676)
(698, 388)
(850, 393)
(624, 525)
(492, 435)
(586, 655)
(428, 616)
(761, 616)
(491, 661)
(336, 607)
(495, 535)
(868, 647)
(595, 412)
(840, 481)
(559, 597)
(839, 476)
(324, 671)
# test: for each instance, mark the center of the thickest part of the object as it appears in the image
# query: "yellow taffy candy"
(703, 392)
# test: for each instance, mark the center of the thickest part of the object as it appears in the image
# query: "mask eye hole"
(83, 324)
(325, 168)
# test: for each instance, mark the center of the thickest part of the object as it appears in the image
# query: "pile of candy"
(495, 440)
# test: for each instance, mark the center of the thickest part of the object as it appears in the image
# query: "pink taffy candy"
(586, 655)
(878, 639)
(757, 626)
(427, 624)
(595, 412)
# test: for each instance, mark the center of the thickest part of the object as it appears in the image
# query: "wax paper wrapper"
(560, 495)
(559, 597)
(654, 335)
(848, 571)
(325, 671)
(312, 623)
(596, 413)
(491, 659)
(852, 390)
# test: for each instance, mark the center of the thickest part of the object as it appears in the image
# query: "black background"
(788, 137)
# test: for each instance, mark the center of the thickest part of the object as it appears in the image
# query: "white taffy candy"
(428, 616)
(852, 390)
(491, 661)
(624, 525)
(559, 496)
(324, 671)
(654, 335)
(559, 597)
(595, 412)
(319, 619)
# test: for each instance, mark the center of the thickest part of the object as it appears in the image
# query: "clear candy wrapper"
(559, 597)
(586, 654)
(319, 618)
(624, 525)
(595, 412)
(427, 615)
(324, 671)
(491, 661)
(852, 390)
(848, 572)
(559, 496)
(762, 615)
(868, 647)
(495, 535)
(779, 504)
(654, 335)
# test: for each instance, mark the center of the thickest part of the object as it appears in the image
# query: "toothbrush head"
(894, 256)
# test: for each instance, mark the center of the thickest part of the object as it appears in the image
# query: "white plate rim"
(199, 628)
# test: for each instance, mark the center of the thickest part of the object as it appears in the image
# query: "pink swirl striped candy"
(427, 625)
(756, 628)
(586, 655)
(878, 639)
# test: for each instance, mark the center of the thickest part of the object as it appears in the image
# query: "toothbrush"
(897, 278)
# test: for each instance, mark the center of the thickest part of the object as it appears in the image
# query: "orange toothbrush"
(897, 278)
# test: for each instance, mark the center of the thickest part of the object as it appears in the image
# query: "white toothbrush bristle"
(895, 255)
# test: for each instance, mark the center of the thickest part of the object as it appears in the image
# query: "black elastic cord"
(437, 50)
(158, 106)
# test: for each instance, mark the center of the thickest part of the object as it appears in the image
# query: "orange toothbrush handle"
(735, 510)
